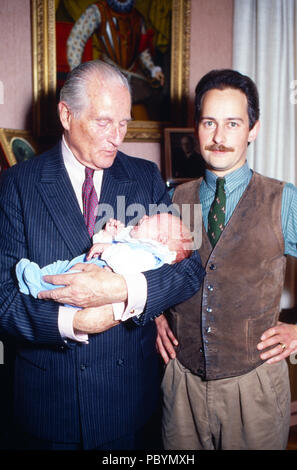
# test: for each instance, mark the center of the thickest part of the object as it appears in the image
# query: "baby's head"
(168, 230)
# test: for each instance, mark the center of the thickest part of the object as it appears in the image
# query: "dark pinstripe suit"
(99, 391)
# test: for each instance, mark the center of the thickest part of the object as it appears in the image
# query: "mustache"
(218, 147)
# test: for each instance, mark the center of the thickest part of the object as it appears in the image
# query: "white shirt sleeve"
(65, 325)
(137, 296)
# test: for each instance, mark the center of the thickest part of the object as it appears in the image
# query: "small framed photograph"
(183, 161)
(15, 146)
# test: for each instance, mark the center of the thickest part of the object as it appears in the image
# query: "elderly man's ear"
(65, 115)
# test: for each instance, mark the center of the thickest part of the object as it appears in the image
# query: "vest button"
(209, 310)
(210, 288)
(212, 267)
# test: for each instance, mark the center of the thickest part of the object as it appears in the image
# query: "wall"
(211, 46)
(211, 40)
(16, 64)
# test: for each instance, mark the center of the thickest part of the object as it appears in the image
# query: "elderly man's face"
(95, 135)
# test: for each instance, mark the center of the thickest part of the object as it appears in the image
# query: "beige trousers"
(251, 411)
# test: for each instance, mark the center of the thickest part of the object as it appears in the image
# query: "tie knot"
(89, 172)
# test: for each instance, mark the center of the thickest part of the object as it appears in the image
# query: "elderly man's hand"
(283, 338)
(94, 320)
(91, 287)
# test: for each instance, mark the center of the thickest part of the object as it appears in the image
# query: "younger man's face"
(223, 130)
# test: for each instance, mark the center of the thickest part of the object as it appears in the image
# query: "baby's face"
(153, 227)
(147, 227)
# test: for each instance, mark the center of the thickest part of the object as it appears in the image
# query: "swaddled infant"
(155, 240)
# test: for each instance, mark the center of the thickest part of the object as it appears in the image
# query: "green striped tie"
(216, 216)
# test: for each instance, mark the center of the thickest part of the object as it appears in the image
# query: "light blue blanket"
(30, 275)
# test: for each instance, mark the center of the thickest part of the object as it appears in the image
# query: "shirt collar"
(71, 163)
(233, 180)
(75, 169)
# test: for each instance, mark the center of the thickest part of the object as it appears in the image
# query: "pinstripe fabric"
(99, 391)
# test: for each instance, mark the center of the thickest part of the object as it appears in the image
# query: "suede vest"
(219, 327)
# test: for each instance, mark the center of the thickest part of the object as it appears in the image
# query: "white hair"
(74, 90)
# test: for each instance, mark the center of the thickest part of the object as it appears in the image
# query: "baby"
(154, 241)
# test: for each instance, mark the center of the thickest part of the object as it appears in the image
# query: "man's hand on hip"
(91, 287)
(166, 341)
(282, 340)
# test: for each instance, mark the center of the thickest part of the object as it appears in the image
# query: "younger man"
(219, 393)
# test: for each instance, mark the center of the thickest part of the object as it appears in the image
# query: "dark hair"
(227, 78)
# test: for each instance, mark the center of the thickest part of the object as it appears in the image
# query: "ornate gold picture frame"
(44, 72)
(15, 146)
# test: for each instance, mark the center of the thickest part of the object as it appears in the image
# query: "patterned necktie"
(216, 216)
(90, 201)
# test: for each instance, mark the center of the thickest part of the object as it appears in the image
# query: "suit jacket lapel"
(58, 195)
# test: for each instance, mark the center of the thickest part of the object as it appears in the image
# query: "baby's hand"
(96, 250)
(114, 226)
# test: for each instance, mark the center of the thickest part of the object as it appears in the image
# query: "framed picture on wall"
(157, 34)
(15, 146)
(183, 161)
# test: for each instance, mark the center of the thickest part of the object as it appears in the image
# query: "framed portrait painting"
(183, 161)
(15, 146)
(148, 40)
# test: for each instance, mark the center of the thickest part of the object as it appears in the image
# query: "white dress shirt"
(136, 283)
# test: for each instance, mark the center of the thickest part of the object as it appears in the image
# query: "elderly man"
(84, 378)
(226, 386)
